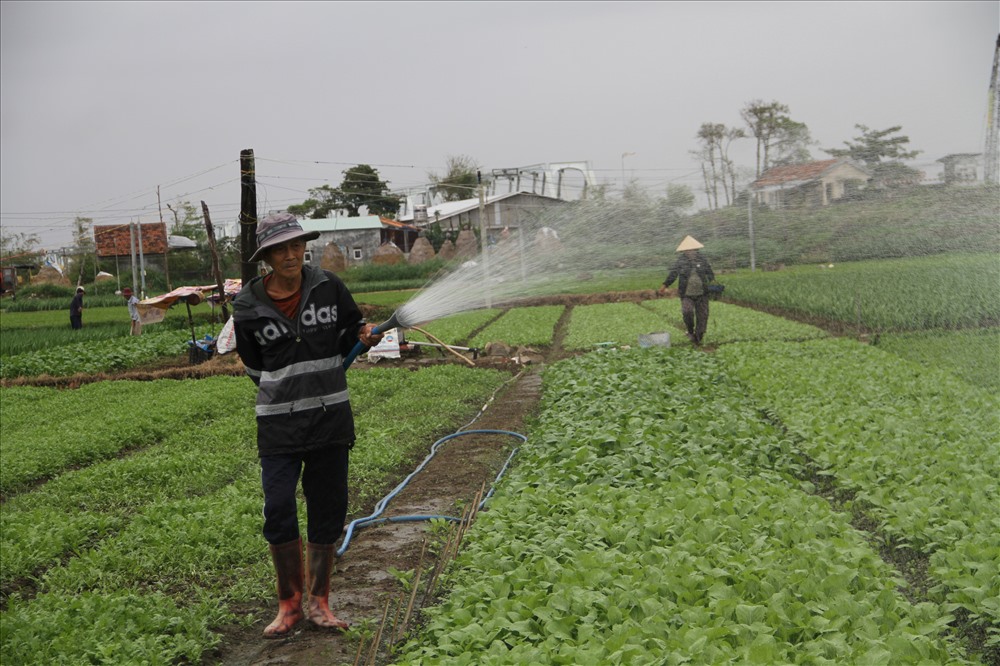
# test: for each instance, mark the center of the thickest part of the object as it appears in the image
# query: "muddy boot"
(319, 564)
(287, 558)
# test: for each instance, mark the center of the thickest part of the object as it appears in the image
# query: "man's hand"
(662, 291)
(367, 336)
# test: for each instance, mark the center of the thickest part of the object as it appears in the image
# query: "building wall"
(352, 243)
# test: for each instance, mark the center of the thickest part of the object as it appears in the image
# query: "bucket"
(654, 340)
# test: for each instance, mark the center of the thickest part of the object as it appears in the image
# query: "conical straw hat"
(689, 243)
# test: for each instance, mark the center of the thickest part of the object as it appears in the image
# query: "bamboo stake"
(357, 655)
(413, 592)
(378, 635)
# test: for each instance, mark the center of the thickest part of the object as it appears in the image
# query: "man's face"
(286, 258)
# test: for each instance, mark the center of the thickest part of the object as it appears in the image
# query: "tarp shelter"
(153, 310)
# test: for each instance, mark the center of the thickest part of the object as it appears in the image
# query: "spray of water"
(559, 247)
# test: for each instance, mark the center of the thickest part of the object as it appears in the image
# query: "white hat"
(689, 243)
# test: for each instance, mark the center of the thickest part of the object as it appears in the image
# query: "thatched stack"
(421, 251)
(388, 254)
(333, 259)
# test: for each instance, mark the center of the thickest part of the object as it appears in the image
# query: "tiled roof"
(794, 173)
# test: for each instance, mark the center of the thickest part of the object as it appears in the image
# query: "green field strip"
(98, 356)
(522, 326)
(916, 445)
(732, 323)
(616, 324)
(944, 291)
(46, 431)
(456, 329)
(654, 518)
(971, 354)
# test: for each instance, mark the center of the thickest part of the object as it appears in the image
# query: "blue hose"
(361, 348)
(374, 519)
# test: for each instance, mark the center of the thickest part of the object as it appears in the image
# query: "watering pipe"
(361, 348)
(375, 519)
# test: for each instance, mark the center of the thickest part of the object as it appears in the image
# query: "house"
(357, 237)
(962, 168)
(509, 210)
(809, 184)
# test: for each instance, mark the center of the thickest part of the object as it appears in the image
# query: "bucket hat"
(279, 228)
(689, 243)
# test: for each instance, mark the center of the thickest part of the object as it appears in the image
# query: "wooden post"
(215, 262)
(248, 215)
(166, 238)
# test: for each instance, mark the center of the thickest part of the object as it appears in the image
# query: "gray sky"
(103, 102)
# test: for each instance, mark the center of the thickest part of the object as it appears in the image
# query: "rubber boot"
(287, 558)
(319, 564)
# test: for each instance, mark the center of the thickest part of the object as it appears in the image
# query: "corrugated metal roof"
(342, 223)
(449, 208)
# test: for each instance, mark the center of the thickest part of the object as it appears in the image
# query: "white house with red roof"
(809, 184)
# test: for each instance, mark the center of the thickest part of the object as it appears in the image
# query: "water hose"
(375, 519)
(361, 348)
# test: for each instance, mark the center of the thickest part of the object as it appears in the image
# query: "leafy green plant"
(522, 326)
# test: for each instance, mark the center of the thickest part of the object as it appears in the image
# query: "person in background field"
(133, 310)
(76, 309)
(293, 328)
(693, 273)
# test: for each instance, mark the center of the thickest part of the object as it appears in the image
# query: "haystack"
(466, 247)
(447, 251)
(421, 251)
(333, 259)
(50, 275)
(388, 254)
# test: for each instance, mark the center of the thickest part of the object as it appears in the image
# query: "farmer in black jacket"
(293, 327)
(693, 274)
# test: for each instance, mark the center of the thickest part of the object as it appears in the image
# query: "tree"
(20, 247)
(83, 246)
(717, 167)
(460, 179)
(774, 130)
(679, 197)
(188, 222)
(882, 153)
(874, 147)
(361, 188)
(790, 143)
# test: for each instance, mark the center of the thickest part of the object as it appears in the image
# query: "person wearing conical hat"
(693, 274)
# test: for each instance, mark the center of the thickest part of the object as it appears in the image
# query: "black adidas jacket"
(302, 397)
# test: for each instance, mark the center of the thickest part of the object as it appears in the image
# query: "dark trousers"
(76, 321)
(324, 484)
(694, 311)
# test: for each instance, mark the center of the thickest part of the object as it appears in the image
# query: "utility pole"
(215, 262)
(991, 157)
(483, 238)
(131, 251)
(753, 249)
(248, 215)
(166, 240)
(142, 261)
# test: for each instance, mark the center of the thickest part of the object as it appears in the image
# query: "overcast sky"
(103, 102)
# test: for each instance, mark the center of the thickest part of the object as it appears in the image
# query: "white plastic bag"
(227, 338)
